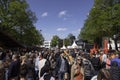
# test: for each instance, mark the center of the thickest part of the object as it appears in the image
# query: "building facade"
(47, 44)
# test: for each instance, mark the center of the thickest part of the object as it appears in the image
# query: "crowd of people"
(69, 64)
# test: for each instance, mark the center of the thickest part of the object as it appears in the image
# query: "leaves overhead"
(103, 20)
(55, 41)
(17, 19)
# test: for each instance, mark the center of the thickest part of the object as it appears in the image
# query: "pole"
(115, 42)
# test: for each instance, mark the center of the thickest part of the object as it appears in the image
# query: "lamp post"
(110, 47)
(41, 38)
(115, 41)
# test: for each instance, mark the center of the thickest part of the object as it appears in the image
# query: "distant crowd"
(69, 64)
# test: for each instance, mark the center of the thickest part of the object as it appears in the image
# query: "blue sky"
(60, 17)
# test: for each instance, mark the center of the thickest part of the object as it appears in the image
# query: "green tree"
(66, 42)
(33, 37)
(71, 38)
(17, 19)
(102, 21)
(55, 41)
(60, 43)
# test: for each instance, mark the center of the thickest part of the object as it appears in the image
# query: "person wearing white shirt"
(41, 63)
(36, 64)
(104, 57)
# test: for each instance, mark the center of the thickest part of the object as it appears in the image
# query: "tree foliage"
(66, 42)
(103, 21)
(55, 41)
(71, 38)
(17, 19)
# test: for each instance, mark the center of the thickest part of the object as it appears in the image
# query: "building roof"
(74, 45)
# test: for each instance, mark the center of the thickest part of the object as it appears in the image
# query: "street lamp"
(110, 47)
(115, 41)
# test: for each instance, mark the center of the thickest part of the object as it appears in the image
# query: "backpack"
(115, 71)
(96, 63)
(23, 70)
(88, 69)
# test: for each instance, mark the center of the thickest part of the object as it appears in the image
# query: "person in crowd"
(2, 71)
(103, 58)
(73, 53)
(47, 75)
(108, 61)
(62, 67)
(115, 71)
(31, 68)
(68, 57)
(2, 55)
(97, 55)
(95, 62)
(52, 61)
(77, 71)
(46, 72)
(14, 68)
(41, 63)
(89, 70)
(104, 74)
(115, 58)
(23, 68)
(36, 65)
(6, 63)
(111, 72)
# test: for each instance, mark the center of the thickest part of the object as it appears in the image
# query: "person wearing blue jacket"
(115, 58)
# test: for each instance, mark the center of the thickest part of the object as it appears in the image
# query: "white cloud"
(62, 13)
(44, 14)
(61, 29)
(76, 31)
